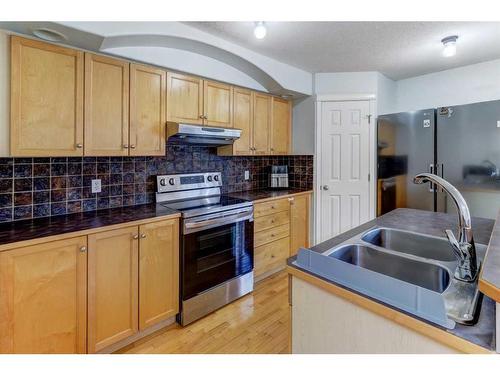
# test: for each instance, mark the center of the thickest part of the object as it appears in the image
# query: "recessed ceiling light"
(50, 35)
(260, 30)
(450, 46)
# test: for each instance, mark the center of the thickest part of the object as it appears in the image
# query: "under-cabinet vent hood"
(201, 135)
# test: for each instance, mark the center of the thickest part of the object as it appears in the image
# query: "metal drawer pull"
(79, 145)
(83, 249)
(143, 235)
(135, 237)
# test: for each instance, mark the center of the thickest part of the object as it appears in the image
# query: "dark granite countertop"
(489, 279)
(261, 194)
(431, 223)
(56, 225)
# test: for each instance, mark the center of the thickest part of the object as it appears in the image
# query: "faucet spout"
(463, 248)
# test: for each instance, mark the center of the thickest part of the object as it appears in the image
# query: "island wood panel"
(106, 106)
(261, 124)
(43, 300)
(112, 287)
(299, 222)
(158, 272)
(280, 127)
(148, 89)
(46, 99)
(397, 317)
(184, 99)
(218, 104)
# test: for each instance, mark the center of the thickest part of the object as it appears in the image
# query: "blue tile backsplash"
(39, 187)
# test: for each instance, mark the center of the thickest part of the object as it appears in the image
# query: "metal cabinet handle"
(79, 145)
(272, 149)
(83, 249)
(290, 199)
(125, 146)
(135, 237)
(132, 146)
(143, 235)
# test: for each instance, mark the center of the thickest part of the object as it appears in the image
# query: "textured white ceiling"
(397, 49)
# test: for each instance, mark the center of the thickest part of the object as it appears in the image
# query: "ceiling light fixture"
(450, 46)
(260, 30)
(49, 34)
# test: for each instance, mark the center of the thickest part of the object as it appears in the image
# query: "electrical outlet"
(96, 186)
(247, 175)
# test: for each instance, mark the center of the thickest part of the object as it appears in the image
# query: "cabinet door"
(43, 301)
(243, 120)
(280, 127)
(184, 99)
(106, 106)
(299, 222)
(148, 88)
(112, 287)
(261, 123)
(158, 272)
(46, 99)
(218, 104)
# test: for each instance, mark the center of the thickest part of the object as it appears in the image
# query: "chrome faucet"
(463, 248)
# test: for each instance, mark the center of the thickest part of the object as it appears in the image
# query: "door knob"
(325, 187)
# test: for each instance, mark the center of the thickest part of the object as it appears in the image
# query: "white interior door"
(344, 163)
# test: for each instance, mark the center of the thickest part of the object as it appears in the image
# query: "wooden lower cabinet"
(43, 301)
(281, 227)
(158, 272)
(112, 287)
(299, 222)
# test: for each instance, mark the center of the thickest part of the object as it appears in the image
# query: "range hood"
(201, 135)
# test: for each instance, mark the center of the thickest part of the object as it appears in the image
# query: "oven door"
(216, 248)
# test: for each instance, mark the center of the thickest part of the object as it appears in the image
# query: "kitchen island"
(328, 317)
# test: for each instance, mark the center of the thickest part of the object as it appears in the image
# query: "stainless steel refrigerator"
(459, 143)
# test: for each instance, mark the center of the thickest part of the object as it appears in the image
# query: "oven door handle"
(217, 222)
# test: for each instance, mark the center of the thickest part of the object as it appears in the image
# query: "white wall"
(303, 126)
(345, 83)
(386, 95)
(468, 84)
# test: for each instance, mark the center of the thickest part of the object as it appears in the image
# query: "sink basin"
(425, 275)
(411, 243)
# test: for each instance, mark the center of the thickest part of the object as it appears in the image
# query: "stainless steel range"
(216, 242)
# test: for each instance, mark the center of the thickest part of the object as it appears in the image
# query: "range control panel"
(176, 182)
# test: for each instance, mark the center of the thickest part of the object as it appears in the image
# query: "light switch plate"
(96, 185)
(247, 175)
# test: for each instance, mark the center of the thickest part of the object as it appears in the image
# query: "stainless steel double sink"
(418, 259)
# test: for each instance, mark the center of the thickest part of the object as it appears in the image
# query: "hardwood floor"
(257, 323)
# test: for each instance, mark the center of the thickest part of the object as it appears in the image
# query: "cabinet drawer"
(271, 221)
(271, 256)
(271, 234)
(271, 207)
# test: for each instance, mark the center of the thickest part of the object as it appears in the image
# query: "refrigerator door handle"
(431, 185)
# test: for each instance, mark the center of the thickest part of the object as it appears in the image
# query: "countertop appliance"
(458, 143)
(201, 135)
(278, 176)
(216, 242)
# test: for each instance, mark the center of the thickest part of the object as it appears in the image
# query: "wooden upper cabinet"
(46, 99)
(243, 120)
(299, 222)
(184, 99)
(112, 287)
(43, 301)
(158, 272)
(148, 88)
(280, 127)
(261, 124)
(217, 104)
(106, 106)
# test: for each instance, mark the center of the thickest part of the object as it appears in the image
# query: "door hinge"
(369, 177)
(369, 118)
